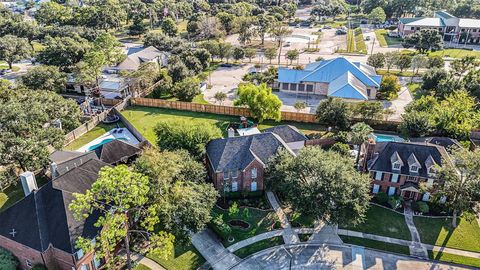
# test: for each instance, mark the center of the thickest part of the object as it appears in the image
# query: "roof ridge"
(40, 233)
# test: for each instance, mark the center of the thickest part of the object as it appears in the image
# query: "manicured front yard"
(455, 53)
(439, 232)
(452, 258)
(97, 131)
(375, 244)
(258, 246)
(385, 40)
(260, 221)
(144, 120)
(142, 267)
(381, 221)
(184, 258)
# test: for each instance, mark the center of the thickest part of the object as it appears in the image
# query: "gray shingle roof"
(287, 133)
(116, 151)
(236, 153)
(422, 152)
(43, 218)
(67, 160)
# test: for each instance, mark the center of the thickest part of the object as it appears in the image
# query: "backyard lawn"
(259, 221)
(97, 131)
(14, 193)
(184, 258)
(381, 221)
(144, 120)
(455, 53)
(452, 258)
(439, 232)
(385, 40)
(258, 246)
(375, 244)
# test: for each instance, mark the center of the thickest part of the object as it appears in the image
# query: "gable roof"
(442, 141)
(287, 133)
(409, 20)
(443, 14)
(67, 160)
(43, 218)
(116, 151)
(236, 153)
(134, 60)
(408, 153)
(327, 71)
(347, 86)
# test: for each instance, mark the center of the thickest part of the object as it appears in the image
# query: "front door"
(408, 194)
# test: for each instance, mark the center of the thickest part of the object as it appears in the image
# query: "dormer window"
(413, 168)
(396, 166)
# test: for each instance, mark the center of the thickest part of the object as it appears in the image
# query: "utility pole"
(373, 45)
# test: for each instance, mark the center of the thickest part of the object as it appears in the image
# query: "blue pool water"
(387, 138)
(93, 147)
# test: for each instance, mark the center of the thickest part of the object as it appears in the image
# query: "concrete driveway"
(226, 80)
(315, 256)
(398, 105)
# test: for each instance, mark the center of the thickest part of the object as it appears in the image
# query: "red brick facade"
(244, 178)
(52, 258)
(386, 183)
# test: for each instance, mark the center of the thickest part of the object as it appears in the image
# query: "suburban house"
(136, 56)
(337, 77)
(398, 168)
(452, 28)
(109, 86)
(40, 228)
(238, 163)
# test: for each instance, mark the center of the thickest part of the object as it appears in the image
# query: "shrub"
(422, 207)
(389, 87)
(233, 210)
(7, 260)
(395, 202)
(382, 197)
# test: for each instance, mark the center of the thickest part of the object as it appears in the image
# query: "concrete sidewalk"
(289, 236)
(207, 243)
(416, 247)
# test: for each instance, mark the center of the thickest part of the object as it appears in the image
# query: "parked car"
(340, 32)
(363, 22)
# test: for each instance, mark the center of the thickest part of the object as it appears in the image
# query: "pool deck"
(112, 134)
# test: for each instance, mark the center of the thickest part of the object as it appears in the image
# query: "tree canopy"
(334, 112)
(263, 104)
(45, 78)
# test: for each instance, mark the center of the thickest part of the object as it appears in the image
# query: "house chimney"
(369, 150)
(231, 132)
(29, 183)
(54, 170)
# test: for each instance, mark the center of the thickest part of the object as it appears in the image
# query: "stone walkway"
(289, 237)
(416, 247)
(217, 256)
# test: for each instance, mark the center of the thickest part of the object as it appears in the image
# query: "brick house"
(238, 163)
(398, 168)
(450, 27)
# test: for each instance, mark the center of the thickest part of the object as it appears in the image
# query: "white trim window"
(376, 188)
(391, 191)
(254, 173)
(225, 175)
(234, 186)
(414, 168)
(378, 176)
(396, 166)
(394, 178)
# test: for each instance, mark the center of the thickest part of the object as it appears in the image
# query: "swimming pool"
(387, 138)
(95, 146)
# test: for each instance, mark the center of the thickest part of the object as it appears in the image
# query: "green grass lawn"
(361, 47)
(258, 246)
(375, 244)
(405, 73)
(184, 258)
(14, 68)
(439, 232)
(350, 41)
(142, 267)
(385, 40)
(452, 258)
(260, 222)
(97, 131)
(14, 193)
(144, 120)
(413, 87)
(383, 222)
(455, 53)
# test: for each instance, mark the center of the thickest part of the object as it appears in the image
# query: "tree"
(369, 5)
(182, 198)
(27, 119)
(310, 173)
(263, 104)
(250, 53)
(169, 27)
(162, 42)
(461, 66)
(63, 52)
(341, 148)
(270, 54)
(90, 68)
(424, 40)
(185, 135)
(177, 69)
(246, 31)
(187, 89)
(419, 61)
(334, 112)
(224, 50)
(403, 62)
(14, 49)
(264, 23)
(7, 260)
(137, 28)
(121, 196)
(299, 106)
(432, 78)
(292, 55)
(389, 87)
(436, 62)
(279, 32)
(376, 60)
(110, 47)
(368, 110)
(391, 59)
(358, 135)
(238, 53)
(220, 97)
(226, 19)
(377, 15)
(460, 178)
(416, 124)
(45, 78)
(52, 13)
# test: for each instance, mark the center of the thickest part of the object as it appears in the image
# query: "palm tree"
(358, 135)
(279, 32)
